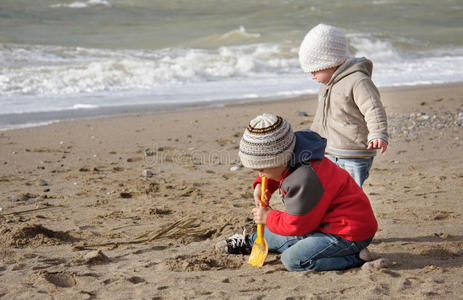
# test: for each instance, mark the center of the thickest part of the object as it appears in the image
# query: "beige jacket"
(350, 113)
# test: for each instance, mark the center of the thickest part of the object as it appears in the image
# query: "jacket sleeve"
(304, 201)
(368, 100)
(283, 223)
(272, 185)
(318, 119)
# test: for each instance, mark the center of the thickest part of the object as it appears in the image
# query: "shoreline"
(34, 119)
(14, 121)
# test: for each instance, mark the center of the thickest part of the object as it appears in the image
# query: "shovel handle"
(260, 227)
(263, 187)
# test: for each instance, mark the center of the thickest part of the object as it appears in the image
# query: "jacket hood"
(309, 146)
(352, 65)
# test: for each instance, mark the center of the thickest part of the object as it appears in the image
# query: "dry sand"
(82, 217)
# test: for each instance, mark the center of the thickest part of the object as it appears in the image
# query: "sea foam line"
(82, 4)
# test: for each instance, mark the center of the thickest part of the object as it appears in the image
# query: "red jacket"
(320, 196)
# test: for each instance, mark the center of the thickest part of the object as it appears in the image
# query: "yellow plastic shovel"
(260, 248)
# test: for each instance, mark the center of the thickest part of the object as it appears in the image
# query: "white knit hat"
(267, 142)
(323, 47)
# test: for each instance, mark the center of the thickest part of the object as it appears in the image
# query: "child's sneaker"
(236, 244)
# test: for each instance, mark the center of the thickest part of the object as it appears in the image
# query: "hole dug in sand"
(60, 279)
(34, 236)
(204, 262)
(443, 251)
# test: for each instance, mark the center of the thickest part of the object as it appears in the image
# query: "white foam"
(250, 96)
(383, 2)
(239, 33)
(50, 78)
(51, 71)
(84, 106)
(378, 50)
(26, 125)
(82, 4)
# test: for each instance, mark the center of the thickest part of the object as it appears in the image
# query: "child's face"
(275, 173)
(323, 76)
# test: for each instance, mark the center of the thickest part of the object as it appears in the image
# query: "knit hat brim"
(253, 162)
(267, 142)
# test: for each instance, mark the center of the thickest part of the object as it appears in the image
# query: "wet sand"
(129, 207)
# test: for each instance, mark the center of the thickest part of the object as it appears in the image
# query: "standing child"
(349, 113)
(328, 222)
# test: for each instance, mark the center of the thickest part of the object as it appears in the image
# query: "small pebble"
(42, 182)
(96, 257)
(235, 168)
(148, 173)
(125, 195)
(148, 152)
(431, 268)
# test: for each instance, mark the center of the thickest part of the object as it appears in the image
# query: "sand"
(130, 207)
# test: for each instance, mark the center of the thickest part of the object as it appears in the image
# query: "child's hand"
(260, 214)
(267, 196)
(378, 144)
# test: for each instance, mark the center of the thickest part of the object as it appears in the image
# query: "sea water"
(69, 59)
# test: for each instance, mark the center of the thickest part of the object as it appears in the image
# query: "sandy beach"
(130, 207)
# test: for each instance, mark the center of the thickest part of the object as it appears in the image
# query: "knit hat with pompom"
(267, 142)
(323, 47)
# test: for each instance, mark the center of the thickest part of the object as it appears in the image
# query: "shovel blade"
(259, 253)
(259, 250)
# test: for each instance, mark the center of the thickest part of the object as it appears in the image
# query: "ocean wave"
(238, 34)
(49, 78)
(84, 106)
(383, 2)
(379, 50)
(5, 127)
(53, 70)
(83, 4)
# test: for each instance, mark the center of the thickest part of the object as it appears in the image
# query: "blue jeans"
(358, 168)
(315, 251)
